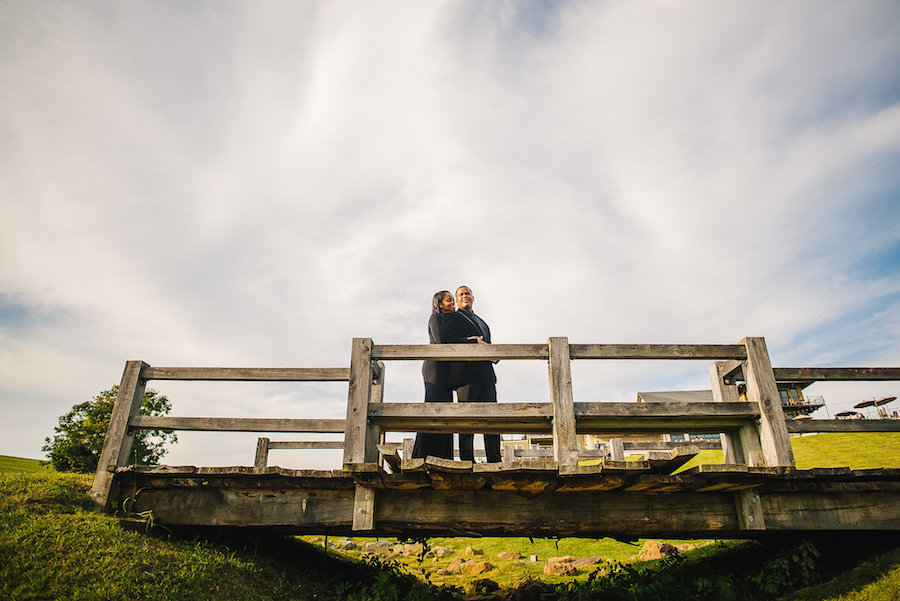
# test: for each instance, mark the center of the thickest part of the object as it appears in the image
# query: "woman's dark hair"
(436, 301)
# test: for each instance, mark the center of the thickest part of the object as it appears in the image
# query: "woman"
(435, 375)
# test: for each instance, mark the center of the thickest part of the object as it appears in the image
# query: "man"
(474, 381)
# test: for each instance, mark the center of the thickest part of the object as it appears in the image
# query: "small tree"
(78, 439)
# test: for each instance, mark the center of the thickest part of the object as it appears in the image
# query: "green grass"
(509, 572)
(53, 545)
(854, 450)
(877, 578)
(18, 465)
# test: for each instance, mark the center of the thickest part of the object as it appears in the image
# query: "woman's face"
(448, 305)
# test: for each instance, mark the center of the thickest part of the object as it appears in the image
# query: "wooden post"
(509, 453)
(364, 508)
(616, 449)
(262, 453)
(750, 515)
(762, 389)
(408, 446)
(725, 393)
(356, 435)
(565, 447)
(374, 434)
(117, 445)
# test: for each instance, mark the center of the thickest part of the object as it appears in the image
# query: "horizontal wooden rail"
(658, 351)
(248, 374)
(591, 417)
(308, 444)
(836, 374)
(796, 426)
(238, 424)
(526, 418)
(481, 352)
(458, 352)
(699, 418)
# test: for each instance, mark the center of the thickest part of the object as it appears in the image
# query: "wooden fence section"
(757, 489)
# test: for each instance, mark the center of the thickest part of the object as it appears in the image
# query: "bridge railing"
(754, 431)
(756, 427)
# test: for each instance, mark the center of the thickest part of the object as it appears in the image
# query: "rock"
(563, 559)
(475, 567)
(510, 555)
(454, 565)
(414, 549)
(472, 551)
(438, 551)
(346, 544)
(377, 547)
(560, 568)
(533, 558)
(314, 539)
(586, 561)
(480, 586)
(654, 549)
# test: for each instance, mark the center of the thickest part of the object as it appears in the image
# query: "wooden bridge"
(380, 491)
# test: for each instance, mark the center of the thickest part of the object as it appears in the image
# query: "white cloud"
(257, 185)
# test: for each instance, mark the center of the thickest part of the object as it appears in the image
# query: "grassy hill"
(54, 546)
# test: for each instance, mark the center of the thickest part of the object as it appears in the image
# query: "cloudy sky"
(255, 184)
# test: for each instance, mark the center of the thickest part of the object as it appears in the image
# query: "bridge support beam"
(117, 445)
(565, 446)
(762, 390)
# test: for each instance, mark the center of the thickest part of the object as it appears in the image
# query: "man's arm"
(456, 329)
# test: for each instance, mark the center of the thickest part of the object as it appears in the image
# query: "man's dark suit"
(474, 381)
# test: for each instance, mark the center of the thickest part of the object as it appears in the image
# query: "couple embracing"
(473, 381)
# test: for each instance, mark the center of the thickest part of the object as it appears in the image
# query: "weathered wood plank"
(527, 477)
(238, 424)
(833, 374)
(363, 509)
(616, 449)
(663, 483)
(724, 392)
(391, 456)
(842, 425)
(591, 478)
(657, 351)
(748, 508)
(241, 496)
(762, 390)
(619, 418)
(356, 439)
(668, 445)
(439, 464)
(262, 453)
(462, 417)
(666, 462)
(458, 352)
(565, 447)
(307, 444)
(117, 445)
(369, 475)
(249, 374)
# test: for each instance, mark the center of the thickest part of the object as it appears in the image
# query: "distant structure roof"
(676, 396)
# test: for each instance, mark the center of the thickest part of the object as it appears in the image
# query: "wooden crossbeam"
(248, 374)
(238, 424)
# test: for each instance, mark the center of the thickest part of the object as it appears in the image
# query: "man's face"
(464, 298)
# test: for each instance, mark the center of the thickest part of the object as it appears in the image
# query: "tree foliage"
(79, 436)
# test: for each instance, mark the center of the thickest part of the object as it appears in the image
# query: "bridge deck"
(523, 498)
